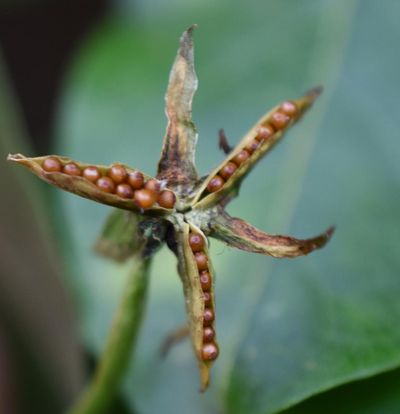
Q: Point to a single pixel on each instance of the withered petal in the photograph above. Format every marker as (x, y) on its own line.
(242, 235)
(205, 199)
(119, 238)
(177, 163)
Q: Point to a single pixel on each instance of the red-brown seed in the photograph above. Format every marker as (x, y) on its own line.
(208, 334)
(91, 173)
(209, 352)
(241, 157)
(106, 184)
(227, 170)
(207, 299)
(153, 185)
(196, 242)
(252, 146)
(279, 120)
(72, 169)
(208, 317)
(118, 173)
(201, 260)
(205, 281)
(264, 132)
(52, 164)
(124, 191)
(145, 198)
(167, 199)
(289, 108)
(215, 184)
(136, 179)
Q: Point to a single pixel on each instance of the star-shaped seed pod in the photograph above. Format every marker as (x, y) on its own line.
(177, 206)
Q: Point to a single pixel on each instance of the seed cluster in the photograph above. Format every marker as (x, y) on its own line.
(278, 120)
(210, 349)
(117, 180)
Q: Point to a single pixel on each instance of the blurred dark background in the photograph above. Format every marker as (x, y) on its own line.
(41, 363)
(86, 79)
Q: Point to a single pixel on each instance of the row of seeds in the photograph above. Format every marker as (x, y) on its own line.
(210, 348)
(117, 180)
(278, 120)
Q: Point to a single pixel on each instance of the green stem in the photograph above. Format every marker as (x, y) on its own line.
(121, 343)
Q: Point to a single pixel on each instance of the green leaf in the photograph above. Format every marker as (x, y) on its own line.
(377, 395)
(290, 329)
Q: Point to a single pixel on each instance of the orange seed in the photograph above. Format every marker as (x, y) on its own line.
(209, 352)
(215, 184)
(51, 164)
(167, 199)
(145, 198)
(106, 184)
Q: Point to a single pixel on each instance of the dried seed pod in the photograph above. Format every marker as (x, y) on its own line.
(279, 120)
(136, 179)
(72, 169)
(52, 164)
(252, 146)
(153, 185)
(196, 242)
(215, 184)
(167, 199)
(145, 198)
(210, 351)
(106, 184)
(91, 173)
(264, 132)
(208, 334)
(124, 191)
(201, 260)
(227, 170)
(241, 157)
(207, 299)
(208, 317)
(289, 108)
(118, 173)
(205, 280)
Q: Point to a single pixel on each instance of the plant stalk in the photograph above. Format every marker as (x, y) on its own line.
(121, 342)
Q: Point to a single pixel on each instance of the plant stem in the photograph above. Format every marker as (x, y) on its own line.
(120, 345)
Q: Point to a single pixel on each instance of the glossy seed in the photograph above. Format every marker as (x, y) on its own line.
(167, 199)
(207, 299)
(201, 260)
(252, 146)
(196, 242)
(205, 281)
(241, 157)
(208, 317)
(264, 132)
(91, 173)
(153, 185)
(215, 184)
(72, 169)
(124, 191)
(227, 170)
(106, 184)
(209, 352)
(136, 179)
(52, 164)
(118, 173)
(279, 120)
(289, 108)
(145, 198)
(208, 334)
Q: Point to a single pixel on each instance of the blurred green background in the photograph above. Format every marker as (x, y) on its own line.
(311, 335)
